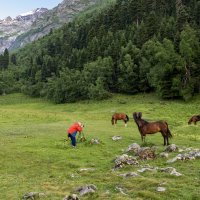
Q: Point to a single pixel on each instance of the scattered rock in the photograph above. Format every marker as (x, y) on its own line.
(125, 160)
(114, 138)
(170, 170)
(32, 195)
(164, 154)
(129, 174)
(192, 155)
(146, 153)
(189, 149)
(180, 150)
(171, 148)
(153, 169)
(83, 190)
(133, 148)
(172, 160)
(120, 190)
(95, 141)
(186, 156)
(175, 173)
(71, 197)
(86, 169)
(160, 189)
(167, 169)
(162, 183)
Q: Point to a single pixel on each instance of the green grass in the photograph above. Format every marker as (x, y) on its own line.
(34, 156)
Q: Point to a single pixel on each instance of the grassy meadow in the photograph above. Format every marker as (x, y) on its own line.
(35, 158)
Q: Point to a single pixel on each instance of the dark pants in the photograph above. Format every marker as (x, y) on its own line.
(73, 138)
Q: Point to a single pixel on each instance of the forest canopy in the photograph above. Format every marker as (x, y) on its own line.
(128, 46)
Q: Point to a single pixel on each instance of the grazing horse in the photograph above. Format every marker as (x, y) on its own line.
(145, 127)
(194, 119)
(119, 116)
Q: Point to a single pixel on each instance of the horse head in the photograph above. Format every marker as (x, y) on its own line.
(135, 116)
(139, 115)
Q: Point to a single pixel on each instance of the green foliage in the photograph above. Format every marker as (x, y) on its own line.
(128, 78)
(67, 87)
(189, 50)
(165, 74)
(4, 60)
(97, 90)
(116, 46)
(8, 82)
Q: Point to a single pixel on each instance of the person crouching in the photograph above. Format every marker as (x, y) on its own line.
(72, 131)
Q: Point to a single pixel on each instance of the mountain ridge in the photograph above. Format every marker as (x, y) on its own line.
(30, 26)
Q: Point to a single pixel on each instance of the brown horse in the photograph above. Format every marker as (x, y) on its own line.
(194, 119)
(152, 127)
(119, 116)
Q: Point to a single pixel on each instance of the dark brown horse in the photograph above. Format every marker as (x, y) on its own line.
(194, 119)
(119, 116)
(152, 127)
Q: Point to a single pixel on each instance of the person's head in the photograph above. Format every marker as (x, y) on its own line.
(80, 124)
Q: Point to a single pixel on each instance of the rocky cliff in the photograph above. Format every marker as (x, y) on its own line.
(27, 27)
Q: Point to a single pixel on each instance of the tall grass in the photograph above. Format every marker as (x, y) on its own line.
(35, 157)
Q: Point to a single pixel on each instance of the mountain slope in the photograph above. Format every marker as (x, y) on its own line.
(12, 28)
(30, 26)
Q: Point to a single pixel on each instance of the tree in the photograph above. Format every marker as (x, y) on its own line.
(128, 77)
(4, 59)
(189, 50)
(165, 68)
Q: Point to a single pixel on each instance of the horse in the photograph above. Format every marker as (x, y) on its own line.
(146, 127)
(194, 119)
(119, 116)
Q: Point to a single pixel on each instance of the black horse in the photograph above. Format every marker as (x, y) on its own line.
(145, 127)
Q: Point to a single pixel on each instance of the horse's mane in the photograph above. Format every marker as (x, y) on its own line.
(144, 121)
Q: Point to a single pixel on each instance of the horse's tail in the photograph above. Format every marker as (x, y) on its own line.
(127, 118)
(168, 131)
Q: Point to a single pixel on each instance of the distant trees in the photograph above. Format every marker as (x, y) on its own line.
(129, 47)
(4, 59)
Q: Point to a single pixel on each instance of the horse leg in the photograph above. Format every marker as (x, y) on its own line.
(164, 137)
(167, 140)
(142, 137)
(125, 123)
(164, 140)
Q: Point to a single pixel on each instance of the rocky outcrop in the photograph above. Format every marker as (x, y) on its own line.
(13, 28)
(30, 26)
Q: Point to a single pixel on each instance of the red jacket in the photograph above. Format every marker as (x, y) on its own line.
(74, 128)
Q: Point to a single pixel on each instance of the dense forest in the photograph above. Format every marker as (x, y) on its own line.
(128, 46)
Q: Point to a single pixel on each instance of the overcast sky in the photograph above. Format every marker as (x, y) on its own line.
(16, 7)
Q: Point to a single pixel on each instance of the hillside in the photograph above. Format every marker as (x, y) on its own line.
(12, 28)
(26, 28)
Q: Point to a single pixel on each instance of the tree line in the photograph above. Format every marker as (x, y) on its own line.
(128, 46)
